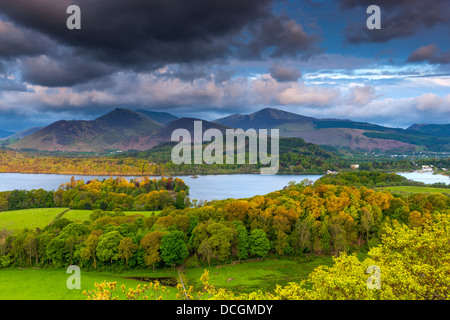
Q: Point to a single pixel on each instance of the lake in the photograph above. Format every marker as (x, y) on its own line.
(207, 187)
(426, 177)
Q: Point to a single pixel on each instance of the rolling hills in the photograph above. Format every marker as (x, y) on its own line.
(123, 129)
(339, 133)
(436, 129)
(160, 117)
(22, 134)
(148, 140)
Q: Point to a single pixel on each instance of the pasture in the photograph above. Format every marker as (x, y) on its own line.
(17, 220)
(415, 189)
(51, 284)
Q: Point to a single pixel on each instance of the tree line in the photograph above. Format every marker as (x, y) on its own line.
(303, 218)
(135, 194)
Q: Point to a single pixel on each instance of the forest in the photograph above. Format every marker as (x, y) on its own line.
(303, 218)
(372, 179)
(119, 193)
(306, 159)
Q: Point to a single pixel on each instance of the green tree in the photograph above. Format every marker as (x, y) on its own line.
(220, 240)
(259, 244)
(206, 251)
(243, 241)
(30, 247)
(301, 236)
(107, 248)
(180, 200)
(173, 248)
(90, 247)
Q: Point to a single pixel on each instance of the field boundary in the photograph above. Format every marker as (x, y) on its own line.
(58, 216)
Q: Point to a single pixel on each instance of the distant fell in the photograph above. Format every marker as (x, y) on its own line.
(97, 135)
(149, 140)
(160, 117)
(438, 129)
(339, 133)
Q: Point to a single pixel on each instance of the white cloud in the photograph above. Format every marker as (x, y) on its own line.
(351, 100)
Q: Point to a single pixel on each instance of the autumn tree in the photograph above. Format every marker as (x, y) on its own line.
(151, 243)
(126, 249)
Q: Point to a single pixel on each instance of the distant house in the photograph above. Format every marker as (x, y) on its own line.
(426, 169)
(354, 166)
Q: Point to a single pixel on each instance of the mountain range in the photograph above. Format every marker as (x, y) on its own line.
(345, 134)
(124, 129)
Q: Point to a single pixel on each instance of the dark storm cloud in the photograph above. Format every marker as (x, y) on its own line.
(284, 74)
(64, 71)
(147, 35)
(161, 30)
(16, 42)
(430, 53)
(399, 19)
(279, 36)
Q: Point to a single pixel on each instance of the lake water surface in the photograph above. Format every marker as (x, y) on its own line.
(207, 187)
(426, 177)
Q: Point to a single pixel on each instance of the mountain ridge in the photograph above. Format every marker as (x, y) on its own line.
(149, 140)
(96, 135)
(126, 129)
(338, 133)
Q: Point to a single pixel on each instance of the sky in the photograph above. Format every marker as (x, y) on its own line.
(211, 58)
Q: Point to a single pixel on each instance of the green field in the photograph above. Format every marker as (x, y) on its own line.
(77, 215)
(31, 283)
(414, 189)
(257, 275)
(261, 275)
(51, 284)
(83, 215)
(18, 220)
(264, 275)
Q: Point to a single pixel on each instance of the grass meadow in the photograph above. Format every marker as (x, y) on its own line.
(244, 277)
(17, 220)
(413, 189)
(51, 284)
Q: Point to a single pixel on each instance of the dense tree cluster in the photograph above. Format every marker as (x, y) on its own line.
(301, 218)
(413, 264)
(296, 156)
(135, 194)
(367, 178)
